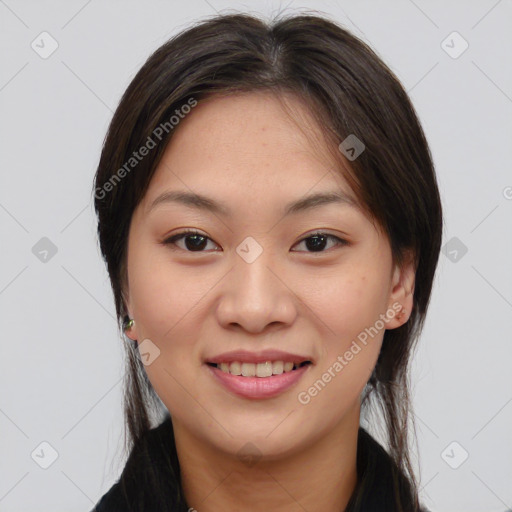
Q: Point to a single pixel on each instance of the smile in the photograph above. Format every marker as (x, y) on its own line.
(254, 380)
(265, 369)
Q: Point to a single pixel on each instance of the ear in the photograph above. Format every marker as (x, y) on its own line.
(131, 332)
(402, 292)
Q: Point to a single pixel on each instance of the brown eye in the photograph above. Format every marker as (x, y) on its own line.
(317, 241)
(194, 241)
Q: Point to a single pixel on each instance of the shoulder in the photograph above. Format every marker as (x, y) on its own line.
(379, 479)
(111, 501)
(150, 478)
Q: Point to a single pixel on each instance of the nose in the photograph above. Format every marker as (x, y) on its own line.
(256, 296)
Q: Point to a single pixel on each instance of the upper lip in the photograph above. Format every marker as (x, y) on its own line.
(245, 356)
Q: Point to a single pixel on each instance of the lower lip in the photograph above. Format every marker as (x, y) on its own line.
(258, 387)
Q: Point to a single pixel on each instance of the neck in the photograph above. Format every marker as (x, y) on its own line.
(322, 476)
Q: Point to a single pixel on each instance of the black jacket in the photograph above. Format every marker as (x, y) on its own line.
(149, 481)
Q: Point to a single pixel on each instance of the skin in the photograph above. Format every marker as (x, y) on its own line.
(245, 151)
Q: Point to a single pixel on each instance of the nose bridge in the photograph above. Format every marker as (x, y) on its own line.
(255, 295)
(252, 266)
(253, 277)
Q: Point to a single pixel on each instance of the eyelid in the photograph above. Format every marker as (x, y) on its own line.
(341, 242)
(171, 240)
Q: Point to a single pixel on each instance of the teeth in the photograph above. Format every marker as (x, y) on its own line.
(288, 366)
(277, 367)
(248, 370)
(265, 369)
(235, 368)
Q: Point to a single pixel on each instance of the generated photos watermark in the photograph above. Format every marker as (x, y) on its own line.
(151, 143)
(304, 397)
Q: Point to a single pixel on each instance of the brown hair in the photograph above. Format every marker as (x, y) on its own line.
(349, 90)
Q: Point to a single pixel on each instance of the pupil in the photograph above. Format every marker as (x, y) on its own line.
(316, 244)
(197, 242)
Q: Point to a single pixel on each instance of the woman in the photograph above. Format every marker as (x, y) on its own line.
(269, 214)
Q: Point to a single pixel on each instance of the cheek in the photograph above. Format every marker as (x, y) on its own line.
(166, 301)
(349, 305)
(349, 300)
(349, 309)
(164, 295)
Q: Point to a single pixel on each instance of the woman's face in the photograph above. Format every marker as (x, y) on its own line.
(256, 279)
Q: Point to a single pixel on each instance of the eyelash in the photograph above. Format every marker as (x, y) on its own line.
(173, 239)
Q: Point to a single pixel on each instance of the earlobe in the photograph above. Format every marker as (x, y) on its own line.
(129, 328)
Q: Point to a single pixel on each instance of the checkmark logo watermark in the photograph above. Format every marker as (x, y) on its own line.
(454, 45)
(148, 352)
(249, 250)
(249, 454)
(44, 45)
(44, 455)
(351, 147)
(454, 455)
(44, 250)
(454, 249)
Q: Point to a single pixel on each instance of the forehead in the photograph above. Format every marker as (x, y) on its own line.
(248, 144)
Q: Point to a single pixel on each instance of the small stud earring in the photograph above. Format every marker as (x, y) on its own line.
(128, 324)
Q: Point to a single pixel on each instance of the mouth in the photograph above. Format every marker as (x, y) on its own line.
(264, 369)
(258, 381)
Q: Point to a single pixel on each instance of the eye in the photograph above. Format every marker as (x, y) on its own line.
(316, 242)
(196, 241)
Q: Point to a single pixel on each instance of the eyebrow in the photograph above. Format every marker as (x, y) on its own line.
(202, 202)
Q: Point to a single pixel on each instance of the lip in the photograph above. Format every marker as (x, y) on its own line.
(243, 356)
(258, 387)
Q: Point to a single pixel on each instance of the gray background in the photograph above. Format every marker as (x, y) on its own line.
(61, 362)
